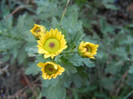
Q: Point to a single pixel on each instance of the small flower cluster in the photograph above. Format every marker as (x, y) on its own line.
(51, 43)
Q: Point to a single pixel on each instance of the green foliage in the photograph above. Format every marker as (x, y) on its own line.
(83, 78)
(109, 4)
(54, 92)
(13, 38)
(75, 59)
(32, 69)
(131, 70)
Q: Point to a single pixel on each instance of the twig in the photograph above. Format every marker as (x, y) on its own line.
(13, 12)
(21, 90)
(17, 9)
(29, 84)
(115, 86)
(122, 82)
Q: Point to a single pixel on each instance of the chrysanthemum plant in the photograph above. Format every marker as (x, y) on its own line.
(63, 58)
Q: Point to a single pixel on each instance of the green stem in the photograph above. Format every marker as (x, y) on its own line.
(64, 11)
(126, 97)
(65, 52)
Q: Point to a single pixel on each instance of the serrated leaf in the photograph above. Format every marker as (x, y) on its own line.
(130, 81)
(57, 58)
(52, 82)
(88, 63)
(75, 59)
(101, 95)
(67, 80)
(55, 92)
(113, 67)
(128, 41)
(107, 83)
(130, 70)
(100, 55)
(32, 69)
(55, 23)
(40, 58)
(69, 67)
(111, 6)
(22, 58)
(78, 80)
(31, 50)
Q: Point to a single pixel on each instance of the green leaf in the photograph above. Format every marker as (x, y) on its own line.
(128, 40)
(69, 67)
(130, 70)
(130, 81)
(100, 55)
(31, 50)
(78, 80)
(75, 59)
(55, 92)
(57, 58)
(45, 11)
(105, 27)
(107, 83)
(67, 80)
(111, 6)
(54, 23)
(88, 63)
(52, 82)
(32, 69)
(101, 95)
(113, 67)
(40, 58)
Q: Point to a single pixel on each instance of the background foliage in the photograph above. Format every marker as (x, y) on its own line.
(104, 22)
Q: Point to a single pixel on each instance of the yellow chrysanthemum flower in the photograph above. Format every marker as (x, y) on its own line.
(87, 49)
(50, 69)
(51, 44)
(37, 29)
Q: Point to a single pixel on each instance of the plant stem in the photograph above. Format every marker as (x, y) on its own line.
(65, 52)
(126, 97)
(64, 11)
(19, 8)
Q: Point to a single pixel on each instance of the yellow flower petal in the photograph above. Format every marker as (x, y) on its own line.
(40, 64)
(50, 69)
(52, 43)
(37, 30)
(87, 49)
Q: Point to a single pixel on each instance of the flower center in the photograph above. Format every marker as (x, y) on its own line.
(37, 30)
(52, 45)
(49, 69)
(88, 49)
